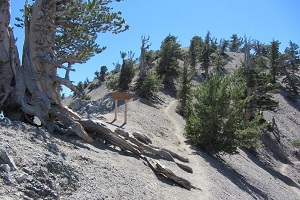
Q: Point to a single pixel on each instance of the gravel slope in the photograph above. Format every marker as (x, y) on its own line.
(65, 167)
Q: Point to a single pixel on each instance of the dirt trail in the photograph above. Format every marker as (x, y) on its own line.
(199, 176)
(169, 111)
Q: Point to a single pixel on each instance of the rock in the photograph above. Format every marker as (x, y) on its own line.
(7, 159)
(28, 171)
(22, 178)
(9, 179)
(5, 168)
(91, 108)
(297, 154)
(78, 104)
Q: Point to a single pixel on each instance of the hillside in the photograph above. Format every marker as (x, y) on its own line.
(66, 167)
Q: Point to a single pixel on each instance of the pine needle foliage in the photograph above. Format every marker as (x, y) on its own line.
(149, 86)
(185, 86)
(168, 66)
(127, 71)
(215, 115)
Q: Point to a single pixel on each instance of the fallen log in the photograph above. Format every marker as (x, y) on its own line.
(142, 137)
(167, 154)
(127, 141)
(177, 156)
(159, 169)
(101, 130)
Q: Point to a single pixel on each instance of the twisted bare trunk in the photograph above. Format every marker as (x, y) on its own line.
(34, 86)
(9, 58)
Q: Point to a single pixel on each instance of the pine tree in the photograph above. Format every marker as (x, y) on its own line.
(293, 53)
(127, 71)
(290, 63)
(56, 34)
(223, 46)
(206, 53)
(235, 43)
(185, 87)
(274, 56)
(223, 113)
(219, 62)
(148, 83)
(215, 114)
(86, 82)
(97, 74)
(80, 87)
(195, 50)
(103, 71)
(259, 85)
(260, 49)
(168, 66)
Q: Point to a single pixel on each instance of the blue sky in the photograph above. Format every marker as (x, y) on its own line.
(263, 20)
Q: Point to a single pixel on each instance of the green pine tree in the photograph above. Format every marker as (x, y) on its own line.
(127, 71)
(215, 115)
(185, 87)
(274, 59)
(290, 62)
(235, 43)
(102, 74)
(206, 53)
(195, 50)
(168, 66)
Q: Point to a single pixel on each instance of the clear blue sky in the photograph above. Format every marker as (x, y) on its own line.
(263, 20)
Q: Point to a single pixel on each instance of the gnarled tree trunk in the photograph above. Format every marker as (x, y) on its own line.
(9, 58)
(35, 86)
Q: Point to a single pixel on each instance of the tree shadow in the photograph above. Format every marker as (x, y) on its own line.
(232, 175)
(273, 144)
(293, 101)
(78, 143)
(169, 92)
(154, 102)
(198, 78)
(251, 155)
(118, 126)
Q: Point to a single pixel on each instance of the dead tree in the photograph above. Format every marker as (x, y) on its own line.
(9, 57)
(143, 63)
(34, 86)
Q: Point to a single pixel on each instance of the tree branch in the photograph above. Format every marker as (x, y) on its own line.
(66, 83)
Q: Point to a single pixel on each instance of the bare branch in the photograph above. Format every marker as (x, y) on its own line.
(66, 83)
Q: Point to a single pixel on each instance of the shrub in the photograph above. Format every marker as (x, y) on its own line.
(92, 86)
(148, 87)
(113, 83)
(296, 143)
(85, 97)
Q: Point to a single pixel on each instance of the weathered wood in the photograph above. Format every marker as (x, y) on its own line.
(36, 86)
(95, 126)
(64, 116)
(177, 156)
(142, 137)
(143, 63)
(71, 113)
(167, 154)
(9, 58)
(121, 96)
(159, 169)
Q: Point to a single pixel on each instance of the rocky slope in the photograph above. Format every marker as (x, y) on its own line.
(66, 167)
